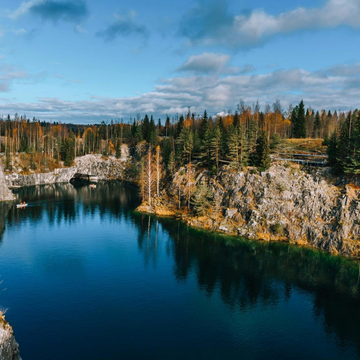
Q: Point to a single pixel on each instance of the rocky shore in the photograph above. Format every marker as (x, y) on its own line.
(284, 203)
(9, 348)
(103, 168)
(5, 192)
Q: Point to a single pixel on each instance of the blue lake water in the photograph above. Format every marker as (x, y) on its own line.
(85, 277)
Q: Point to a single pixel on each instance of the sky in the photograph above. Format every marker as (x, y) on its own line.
(86, 61)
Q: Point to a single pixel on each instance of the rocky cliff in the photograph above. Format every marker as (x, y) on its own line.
(104, 169)
(5, 193)
(281, 204)
(9, 348)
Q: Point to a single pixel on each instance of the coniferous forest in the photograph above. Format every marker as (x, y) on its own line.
(239, 139)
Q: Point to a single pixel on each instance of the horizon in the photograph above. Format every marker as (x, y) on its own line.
(115, 61)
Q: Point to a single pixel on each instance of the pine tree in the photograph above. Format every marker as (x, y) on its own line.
(236, 121)
(145, 128)
(185, 143)
(138, 134)
(204, 126)
(262, 155)
(201, 199)
(317, 125)
(332, 152)
(215, 146)
(299, 121)
(179, 126)
(224, 136)
(171, 163)
(302, 120)
(8, 156)
(118, 150)
(234, 147)
(167, 126)
(152, 133)
(205, 149)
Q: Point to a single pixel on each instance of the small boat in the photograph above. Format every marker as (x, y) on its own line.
(93, 186)
(22, 205)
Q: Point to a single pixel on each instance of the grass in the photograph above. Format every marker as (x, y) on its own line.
(308, 145)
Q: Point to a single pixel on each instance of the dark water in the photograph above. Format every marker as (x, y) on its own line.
(84, 277)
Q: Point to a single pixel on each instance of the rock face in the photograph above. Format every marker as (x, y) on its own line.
(104, 169)
(5, 193)
(9, 348)
(282, 204)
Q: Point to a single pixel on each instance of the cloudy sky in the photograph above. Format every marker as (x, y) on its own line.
(89, 60)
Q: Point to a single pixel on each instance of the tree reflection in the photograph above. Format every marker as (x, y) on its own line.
(248, 273)
(244, 273)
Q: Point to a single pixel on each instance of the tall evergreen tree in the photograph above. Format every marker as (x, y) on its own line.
(145, 128)
(204, 126)
(317, 125)
(262, 154)
(215, 146)
(201, 199)
(118, 150)
(298, 120)
(205, 149)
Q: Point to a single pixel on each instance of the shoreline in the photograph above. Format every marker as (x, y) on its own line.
(287, 205)
(283, 204)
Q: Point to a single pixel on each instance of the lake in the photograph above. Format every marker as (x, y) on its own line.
(85, 277)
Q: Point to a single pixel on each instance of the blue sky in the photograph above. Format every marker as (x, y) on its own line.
(88, 60)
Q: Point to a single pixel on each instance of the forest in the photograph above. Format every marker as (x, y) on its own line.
(239, 139)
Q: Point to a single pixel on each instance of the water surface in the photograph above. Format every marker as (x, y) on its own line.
(84, 277)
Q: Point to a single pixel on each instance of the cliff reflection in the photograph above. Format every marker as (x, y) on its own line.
(250, 273)
(64, 202)
(244, 273)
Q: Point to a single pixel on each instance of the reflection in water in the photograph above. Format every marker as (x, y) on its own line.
(62, 202)
(246, 274)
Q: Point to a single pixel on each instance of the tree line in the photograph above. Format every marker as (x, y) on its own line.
(236, 139)
(344, 146)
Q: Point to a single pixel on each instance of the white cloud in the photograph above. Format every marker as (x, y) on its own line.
(24, 7)
(202, 24)
(327, 88)
(206, 63)
(212, 63)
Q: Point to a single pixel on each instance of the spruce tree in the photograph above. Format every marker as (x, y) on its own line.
(179, 126)
(138, 134)
(298, 120)
(234, 147)
(215, 147)
(145, 128)
(8, 156)
(317, 125)
(205, 149)
(236, 121)
(332, 152)
(204, 126)
(118, 150)
(185, 144)
(262, 155)
(201, 199)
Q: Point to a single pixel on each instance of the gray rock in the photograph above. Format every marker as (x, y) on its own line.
(5, 192)
(9, 348)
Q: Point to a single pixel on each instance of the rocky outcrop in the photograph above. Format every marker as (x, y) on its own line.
(281, 204)
(5, 192)
(9, 348)
(103, 168)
